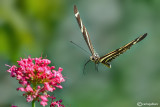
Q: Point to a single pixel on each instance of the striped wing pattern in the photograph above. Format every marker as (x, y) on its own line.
(112, 55)
(84, 30)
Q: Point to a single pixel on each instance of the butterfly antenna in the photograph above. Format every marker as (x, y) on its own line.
(85, 66)
(80, 47)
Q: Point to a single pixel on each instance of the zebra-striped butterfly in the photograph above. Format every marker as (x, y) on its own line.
(111, 55)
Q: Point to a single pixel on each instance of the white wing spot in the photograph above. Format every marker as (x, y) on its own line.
(134, 42)
(77, 14)
(138, 39)
(81, 27)
(87, 37)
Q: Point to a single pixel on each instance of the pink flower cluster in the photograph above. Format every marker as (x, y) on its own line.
(56, 103)
(14, 106)
(37, 78)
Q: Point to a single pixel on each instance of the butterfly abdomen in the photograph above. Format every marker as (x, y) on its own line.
(106, 64)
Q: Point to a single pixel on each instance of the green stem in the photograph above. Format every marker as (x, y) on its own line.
(33, 103)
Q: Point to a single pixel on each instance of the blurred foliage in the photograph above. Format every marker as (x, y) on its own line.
(45, 27)
(28, 25)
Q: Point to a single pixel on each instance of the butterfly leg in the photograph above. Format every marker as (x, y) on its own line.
(85, 66)
(96, 67)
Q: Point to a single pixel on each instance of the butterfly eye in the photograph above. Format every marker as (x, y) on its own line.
(91, 58)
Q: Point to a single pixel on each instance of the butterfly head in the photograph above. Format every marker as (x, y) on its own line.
(95, 58)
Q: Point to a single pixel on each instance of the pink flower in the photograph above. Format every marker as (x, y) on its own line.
(48, 87)
(21, 89)
(29, 88)
(44, 100)
(57, 104)
(14, 106)
(37, 78)
(43, 103)
(29, 98)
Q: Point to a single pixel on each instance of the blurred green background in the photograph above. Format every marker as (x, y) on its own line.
(46, 27)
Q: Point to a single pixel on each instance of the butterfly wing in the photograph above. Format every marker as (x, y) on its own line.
(112, 55)
(84, 30)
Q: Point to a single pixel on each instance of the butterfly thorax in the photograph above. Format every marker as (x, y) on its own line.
(95, 58)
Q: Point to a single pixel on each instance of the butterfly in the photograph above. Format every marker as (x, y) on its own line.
(106, 59)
